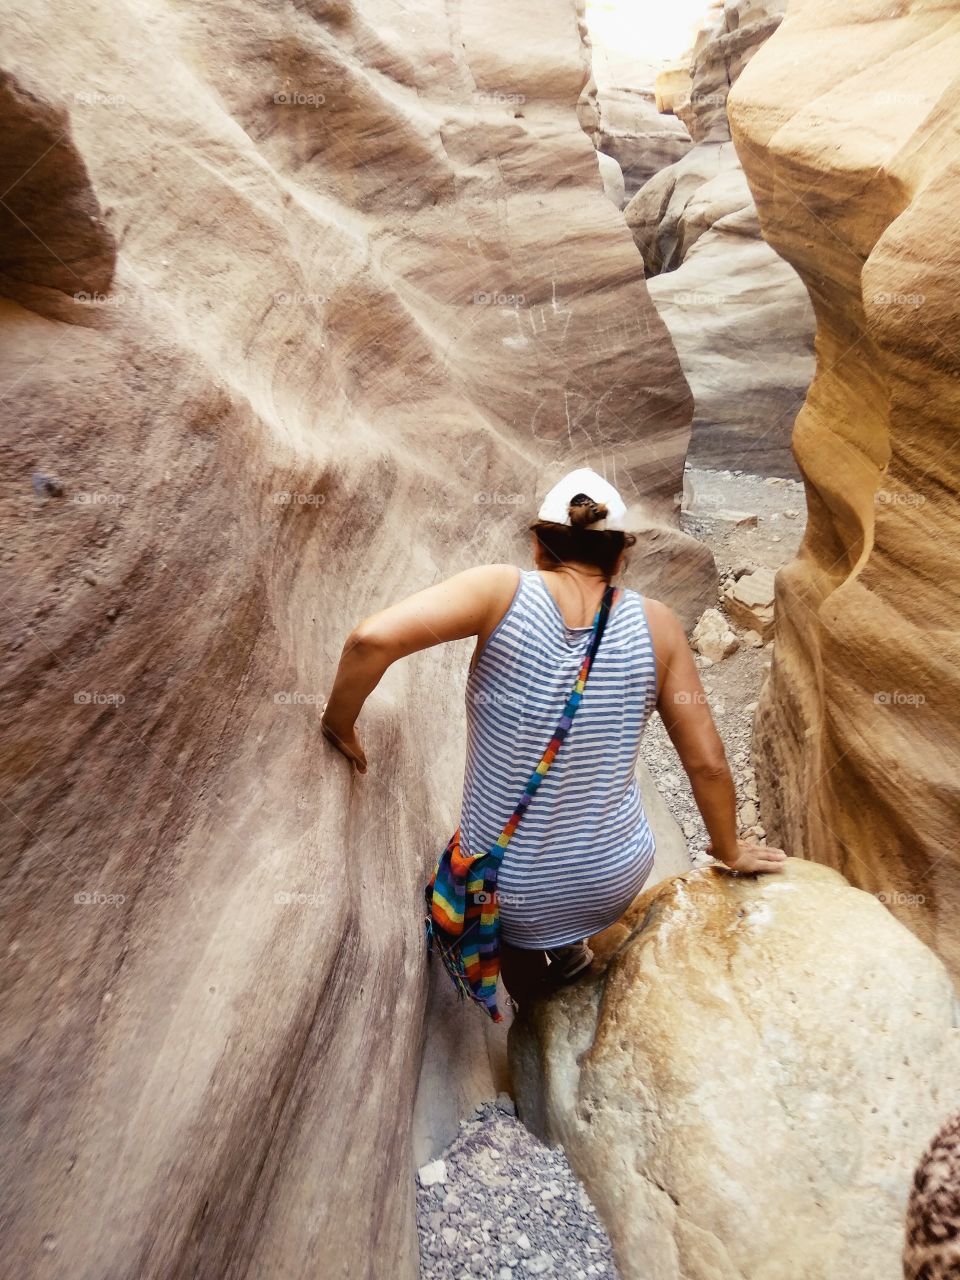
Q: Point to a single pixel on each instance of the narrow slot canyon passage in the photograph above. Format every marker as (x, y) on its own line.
(534, 422)
(494, 1200)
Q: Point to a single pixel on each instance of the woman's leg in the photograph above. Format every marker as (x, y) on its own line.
(524, 973)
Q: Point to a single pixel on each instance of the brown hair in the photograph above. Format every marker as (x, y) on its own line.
(576, 541)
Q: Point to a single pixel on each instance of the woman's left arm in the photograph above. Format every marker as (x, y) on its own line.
(451, 610)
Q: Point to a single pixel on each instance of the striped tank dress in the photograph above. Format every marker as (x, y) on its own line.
(584, 848)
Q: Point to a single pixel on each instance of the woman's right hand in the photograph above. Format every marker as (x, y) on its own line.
(751, 857)
(346, 742)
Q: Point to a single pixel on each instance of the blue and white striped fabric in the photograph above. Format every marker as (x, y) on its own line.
(585, 848)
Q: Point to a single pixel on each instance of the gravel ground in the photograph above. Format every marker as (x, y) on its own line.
(507, 1208)
(732, 685)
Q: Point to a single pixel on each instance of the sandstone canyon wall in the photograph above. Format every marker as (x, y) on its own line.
(302, 305)
(848, 125)
(739, 315)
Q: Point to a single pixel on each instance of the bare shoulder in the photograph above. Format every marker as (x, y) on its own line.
(496, 574)
(501, 581)
(495, 585)
(489, 587)
(665, 626)
(491, 580)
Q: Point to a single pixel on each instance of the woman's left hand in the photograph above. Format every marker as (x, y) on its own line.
(347, 743)
(752, 858)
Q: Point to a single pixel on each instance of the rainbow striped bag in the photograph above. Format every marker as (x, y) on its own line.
(463, 913)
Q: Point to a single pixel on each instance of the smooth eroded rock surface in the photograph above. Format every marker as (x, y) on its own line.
(847, 124)
(642, 139)
(629, 126)
(317, 299)
(732, 32)
(747, 1086)
(738, 313)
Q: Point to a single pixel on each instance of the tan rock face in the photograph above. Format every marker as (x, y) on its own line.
(657, 214)
(314, 302)
(739, 314)
(743, 326)
(672, 86)
(729, 38)
(858, 750)
(747, 1086)
(642, 139)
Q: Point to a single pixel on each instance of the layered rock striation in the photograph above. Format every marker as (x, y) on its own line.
(302, 308)
(851, 153)
(739, 315)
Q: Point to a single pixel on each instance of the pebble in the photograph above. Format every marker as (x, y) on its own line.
(47, 486)
(748, 814)
(89, 577)
(433, 1173)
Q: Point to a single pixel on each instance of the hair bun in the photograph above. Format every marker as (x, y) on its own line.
(583, 511)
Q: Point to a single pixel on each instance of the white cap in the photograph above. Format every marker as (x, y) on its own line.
(555, 506)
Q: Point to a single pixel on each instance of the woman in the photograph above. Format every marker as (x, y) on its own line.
(584, 849)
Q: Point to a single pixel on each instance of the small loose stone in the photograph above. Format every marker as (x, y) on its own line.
(433, 1173)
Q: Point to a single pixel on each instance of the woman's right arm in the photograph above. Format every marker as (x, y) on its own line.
(683, 708)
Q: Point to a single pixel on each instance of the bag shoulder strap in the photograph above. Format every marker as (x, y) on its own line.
(566, 719)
